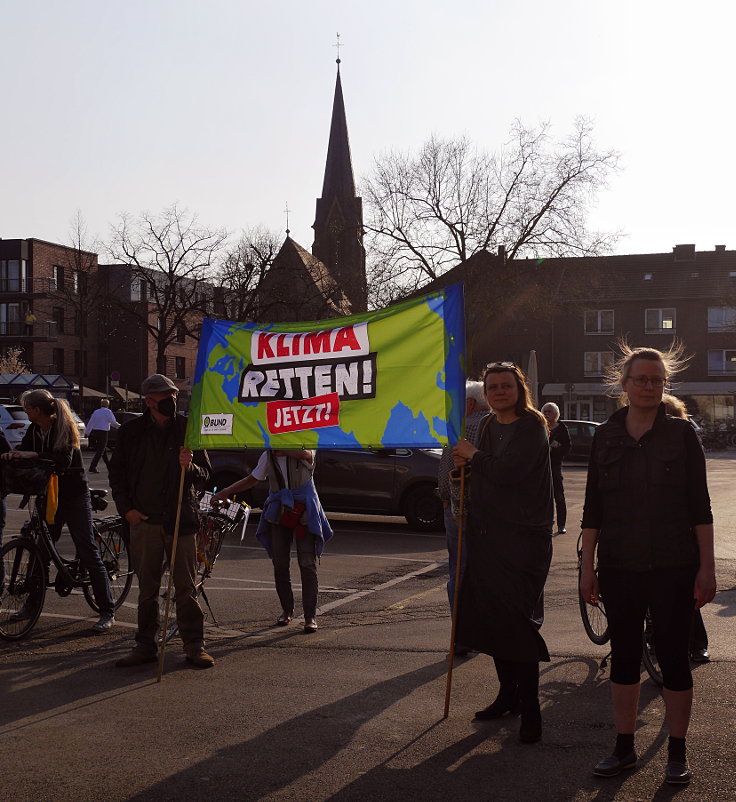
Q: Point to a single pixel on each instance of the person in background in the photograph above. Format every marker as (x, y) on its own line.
(145, 475)
(97, 429)
(53, 435)
(647, 510)
(291, 512)
(476, 409)
(698, 636)
(559, 448)
(501, 605)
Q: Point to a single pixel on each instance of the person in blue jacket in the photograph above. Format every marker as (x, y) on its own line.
(291, 512)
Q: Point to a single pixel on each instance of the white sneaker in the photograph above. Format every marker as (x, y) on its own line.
(104, 624)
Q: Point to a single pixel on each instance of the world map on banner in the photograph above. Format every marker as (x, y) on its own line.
(390, 378)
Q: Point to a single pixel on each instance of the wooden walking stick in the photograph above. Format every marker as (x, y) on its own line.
(456, 594)
(171, 577)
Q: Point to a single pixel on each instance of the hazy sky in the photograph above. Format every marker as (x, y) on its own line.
(223, 105)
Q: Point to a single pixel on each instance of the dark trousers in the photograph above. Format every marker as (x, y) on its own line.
(148, 544)
(698, 635)
(3, 513)
(668, 594)
(559, 494)
(306, 552)
(76, 513)
(98, 441)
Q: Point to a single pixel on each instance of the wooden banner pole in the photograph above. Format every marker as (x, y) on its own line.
(456, 594)
(172, 563)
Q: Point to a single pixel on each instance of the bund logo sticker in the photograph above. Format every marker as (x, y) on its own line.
(217, 424)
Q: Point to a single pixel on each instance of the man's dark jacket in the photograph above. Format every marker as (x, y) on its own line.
(125, 472)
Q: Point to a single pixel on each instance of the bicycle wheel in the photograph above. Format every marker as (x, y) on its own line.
(116, 559)
(595, 621)
(24, 588)
(173, 626)
(648, 653)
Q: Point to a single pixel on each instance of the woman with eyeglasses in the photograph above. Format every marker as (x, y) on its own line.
(509, 545)
(647, 510)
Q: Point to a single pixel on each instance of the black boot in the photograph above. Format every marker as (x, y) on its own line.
(531, 722)
(507, 701)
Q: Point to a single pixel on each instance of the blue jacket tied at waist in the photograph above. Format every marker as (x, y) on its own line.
(317, 523)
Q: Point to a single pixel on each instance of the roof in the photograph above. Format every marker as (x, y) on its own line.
(338, 178)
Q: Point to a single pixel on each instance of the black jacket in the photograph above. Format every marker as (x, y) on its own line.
(645, 497)
(67, 461)
(559, 444)
(125, 472)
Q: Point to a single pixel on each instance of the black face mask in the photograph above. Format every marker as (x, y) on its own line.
(167, 407)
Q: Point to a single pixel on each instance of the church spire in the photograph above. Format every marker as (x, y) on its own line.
(338, 224)
(339, 167)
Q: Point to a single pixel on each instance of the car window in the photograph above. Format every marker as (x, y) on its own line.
(573, 429)
(17, 413)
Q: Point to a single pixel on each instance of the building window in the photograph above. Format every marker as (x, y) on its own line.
(180, 367)
(659, 321)
(599, 321)
(722, 318)
(13, 275)
(57, 278)
(138, 289)
(181, 333)
(10, 320)
(722, 362)
(58, 357)
(57, 315)
(595, 362)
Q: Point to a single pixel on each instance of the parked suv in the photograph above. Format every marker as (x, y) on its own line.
(382, 481)
(581, 435)
(13, 422)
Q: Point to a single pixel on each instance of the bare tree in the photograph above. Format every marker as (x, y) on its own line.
(172, 256)
(11, 360)
(427, 212)
(81, 291)
(242, 272)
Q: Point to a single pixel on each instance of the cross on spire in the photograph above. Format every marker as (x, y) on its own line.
(338, 46)
(287, 218)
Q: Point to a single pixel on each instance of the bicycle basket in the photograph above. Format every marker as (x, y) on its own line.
(25, 476)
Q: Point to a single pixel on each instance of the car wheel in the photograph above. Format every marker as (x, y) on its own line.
(423, 509)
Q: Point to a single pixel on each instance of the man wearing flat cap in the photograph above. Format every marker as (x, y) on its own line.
(145, 471)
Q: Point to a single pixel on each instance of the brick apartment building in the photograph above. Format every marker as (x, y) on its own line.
(38, 284)
(591, 301)
(102, 345)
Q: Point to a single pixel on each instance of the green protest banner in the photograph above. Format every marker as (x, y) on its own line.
(382, 379)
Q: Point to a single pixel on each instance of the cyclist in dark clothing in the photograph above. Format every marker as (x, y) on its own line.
(648, 511)
(53, 435)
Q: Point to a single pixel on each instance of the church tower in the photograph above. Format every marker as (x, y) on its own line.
(338, 225)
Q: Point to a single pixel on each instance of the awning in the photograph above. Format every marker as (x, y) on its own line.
(703, 388)
(129, 395)
(580, 389)
(89, 392)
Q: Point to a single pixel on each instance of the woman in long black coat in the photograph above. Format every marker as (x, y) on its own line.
(509, 542)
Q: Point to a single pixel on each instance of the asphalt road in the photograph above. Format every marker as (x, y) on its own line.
(353, 712)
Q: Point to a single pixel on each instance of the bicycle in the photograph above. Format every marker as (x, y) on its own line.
(595, 623)
(215, 523)
(26, 559)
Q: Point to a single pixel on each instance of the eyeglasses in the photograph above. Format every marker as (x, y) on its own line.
(494, 365)
(643, 381)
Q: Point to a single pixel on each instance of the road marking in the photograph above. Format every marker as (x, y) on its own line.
(395, 581)
(400, 605)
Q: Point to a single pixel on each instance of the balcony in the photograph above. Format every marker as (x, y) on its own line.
(40, 286)
(45, 331)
